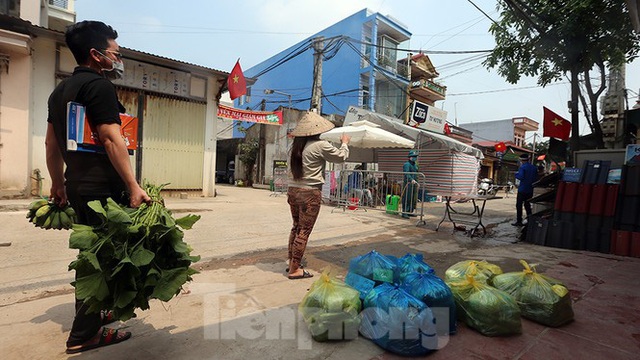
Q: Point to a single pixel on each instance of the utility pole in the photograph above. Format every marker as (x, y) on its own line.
(408, 94)
(534, 147)
(261, 146)
(575, 128)
(316, 91)
(455, 112)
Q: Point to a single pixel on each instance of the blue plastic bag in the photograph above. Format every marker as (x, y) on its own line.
(437, 295)
(374, 266)
(409, 264)
(398, 322)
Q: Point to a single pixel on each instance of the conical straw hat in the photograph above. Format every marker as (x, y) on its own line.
(312, 124)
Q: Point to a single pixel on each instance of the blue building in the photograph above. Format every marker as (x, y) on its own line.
(360, 67)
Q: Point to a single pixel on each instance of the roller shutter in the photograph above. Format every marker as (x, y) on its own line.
(173, 142)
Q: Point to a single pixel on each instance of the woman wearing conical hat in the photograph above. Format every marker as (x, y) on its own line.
(307, 162)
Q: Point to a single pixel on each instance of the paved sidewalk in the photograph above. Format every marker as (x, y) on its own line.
(242, 306)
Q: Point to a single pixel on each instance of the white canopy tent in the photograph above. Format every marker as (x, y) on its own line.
(449, 166)
(367, 135)
(424, 139)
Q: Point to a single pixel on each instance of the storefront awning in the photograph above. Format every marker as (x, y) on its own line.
(420, 136)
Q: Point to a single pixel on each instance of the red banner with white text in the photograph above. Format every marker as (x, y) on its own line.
(261, 117)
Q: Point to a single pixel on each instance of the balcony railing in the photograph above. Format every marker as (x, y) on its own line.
(63, 4)
(387, 63)
(428, 84)
(392, 65)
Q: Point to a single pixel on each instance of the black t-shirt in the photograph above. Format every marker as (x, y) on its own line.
(99, 97)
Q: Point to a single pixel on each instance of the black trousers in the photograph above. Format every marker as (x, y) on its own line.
(523, 199)
(86, 325)
(409, 197)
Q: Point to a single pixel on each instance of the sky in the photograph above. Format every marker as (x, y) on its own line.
(215, 34)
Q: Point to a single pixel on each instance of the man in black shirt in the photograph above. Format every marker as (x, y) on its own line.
(91, 175)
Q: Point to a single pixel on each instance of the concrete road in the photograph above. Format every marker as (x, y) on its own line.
(242, 305)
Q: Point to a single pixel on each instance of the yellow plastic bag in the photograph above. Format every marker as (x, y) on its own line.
(331, 309)
(542, 299)
(479, 269)
(491, 311)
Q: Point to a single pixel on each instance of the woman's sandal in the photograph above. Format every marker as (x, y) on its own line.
(287, 269)
(108, 337)
(305, 275)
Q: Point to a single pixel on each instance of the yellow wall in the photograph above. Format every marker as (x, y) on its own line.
(14, 121)
(43, 83)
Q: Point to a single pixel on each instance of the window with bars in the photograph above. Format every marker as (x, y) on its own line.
(63, 4)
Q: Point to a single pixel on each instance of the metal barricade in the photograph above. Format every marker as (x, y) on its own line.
(395, 192)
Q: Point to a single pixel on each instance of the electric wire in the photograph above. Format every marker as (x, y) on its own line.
(503, 90)
(443, 33)
(433, 52)
(458, 33)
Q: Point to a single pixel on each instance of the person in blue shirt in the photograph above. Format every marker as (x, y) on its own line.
(527, 174)
(410, 184)
(356, 187)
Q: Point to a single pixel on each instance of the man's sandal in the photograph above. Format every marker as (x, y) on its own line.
(107, 317)
(108, 337)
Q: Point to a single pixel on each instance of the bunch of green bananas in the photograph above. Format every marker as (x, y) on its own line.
(47, 215)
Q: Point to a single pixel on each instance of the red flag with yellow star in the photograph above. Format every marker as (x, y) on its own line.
(236, 83)
(555, 125)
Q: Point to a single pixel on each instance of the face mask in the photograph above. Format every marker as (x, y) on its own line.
(413, 158)
(117, 69)
(116, 72)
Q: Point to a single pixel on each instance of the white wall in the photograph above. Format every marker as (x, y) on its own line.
(501, 130)
(30, 10)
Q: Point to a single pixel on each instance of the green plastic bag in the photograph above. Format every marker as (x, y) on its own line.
(542, 299)
(491, 311)
(479, 269)
(331, 309)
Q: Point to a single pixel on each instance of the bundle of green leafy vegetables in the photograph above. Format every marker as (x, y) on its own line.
(133, 256)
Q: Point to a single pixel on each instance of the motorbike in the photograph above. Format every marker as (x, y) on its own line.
(487, 187)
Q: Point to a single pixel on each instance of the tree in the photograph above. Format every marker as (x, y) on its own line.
(248, 154)
(549, 38)
(541, 147)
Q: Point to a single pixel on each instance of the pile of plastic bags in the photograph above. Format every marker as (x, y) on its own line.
(402, 306)
(492, 302)
(405, 306)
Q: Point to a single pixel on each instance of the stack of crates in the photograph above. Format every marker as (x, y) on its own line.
(584, 211)
(625, 238)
